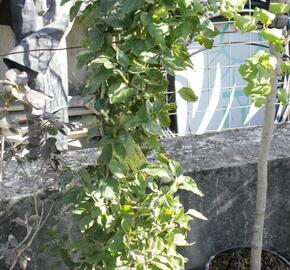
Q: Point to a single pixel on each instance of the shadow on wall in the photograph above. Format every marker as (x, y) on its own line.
(76, 78)
(229, 205)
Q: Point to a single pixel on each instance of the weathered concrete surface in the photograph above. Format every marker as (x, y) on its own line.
(223, 164)
(16, 200)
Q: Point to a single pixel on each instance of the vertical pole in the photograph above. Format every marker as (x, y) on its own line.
(2, 157)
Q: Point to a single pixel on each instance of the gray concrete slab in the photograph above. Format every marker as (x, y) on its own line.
(224, 166)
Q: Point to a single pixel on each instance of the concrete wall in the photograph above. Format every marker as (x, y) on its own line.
(224, 166)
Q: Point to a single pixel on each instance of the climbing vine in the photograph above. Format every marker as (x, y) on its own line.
(130, 215)
(129, 210)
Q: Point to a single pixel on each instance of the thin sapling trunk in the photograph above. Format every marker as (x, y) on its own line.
(266, 137)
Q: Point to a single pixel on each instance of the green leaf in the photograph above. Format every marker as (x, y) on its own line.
(75, 10)
(156, 170)
(130, 6)
(71, 195)
(95, 39)
(286, 67)
(264, 16)
(161, 11)
(118, 20)
(85, 177)
(126, 224)
(120, 92)
(149, 57)
(117, 168)
(63, 2)
(248, 71)
(110, 188)
(283, 96)
(152, 128)
(245, 23)
(122, 58)
(164, 118)
(127, 209)
(229, 9)
(101, 59)
(154, 77)
(198, 7)
(66, 178)
(139, 184)
(84, 58)
(106, 154)
(163, 158)
(194, 213)
(115, 243)
(86, 223)
(279, 8)
(184, 30)
(203, 40)
(159, 31)
(188, 3)
(145, 18)
(187, 94)
(187, 183)
(93, 131)
(180, 240)
(137, 68)
(207, 28)
(273, 35)
(119, 150)
(159, 265)
(175, 168)
(170, 106)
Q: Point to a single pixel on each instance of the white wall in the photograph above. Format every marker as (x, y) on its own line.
(216, 80)
(76, 77)
(7, 41)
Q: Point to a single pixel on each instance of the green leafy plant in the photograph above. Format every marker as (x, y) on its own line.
(129, 212)
(261, 72)
(130, 215)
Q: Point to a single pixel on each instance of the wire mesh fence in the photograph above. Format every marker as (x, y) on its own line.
(215, 78)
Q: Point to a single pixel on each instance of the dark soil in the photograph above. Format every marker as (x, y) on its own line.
(239, 259)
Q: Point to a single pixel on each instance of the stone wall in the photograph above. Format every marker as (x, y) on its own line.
(224, 166)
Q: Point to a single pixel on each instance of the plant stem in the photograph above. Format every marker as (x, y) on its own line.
(2, 157)
(262, 182)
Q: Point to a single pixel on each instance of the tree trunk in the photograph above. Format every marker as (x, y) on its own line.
(267, 131)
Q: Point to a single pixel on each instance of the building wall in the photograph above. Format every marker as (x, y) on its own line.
(76, 77)
(7, 42)
(215, 79)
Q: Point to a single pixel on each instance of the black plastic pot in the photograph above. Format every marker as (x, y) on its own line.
(240, 248)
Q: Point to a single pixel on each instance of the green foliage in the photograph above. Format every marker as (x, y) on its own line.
(279, 8)
(248, 23)
(129, 214)
(258, 71)
(187, 94)
(131, 221)
(262, 67)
